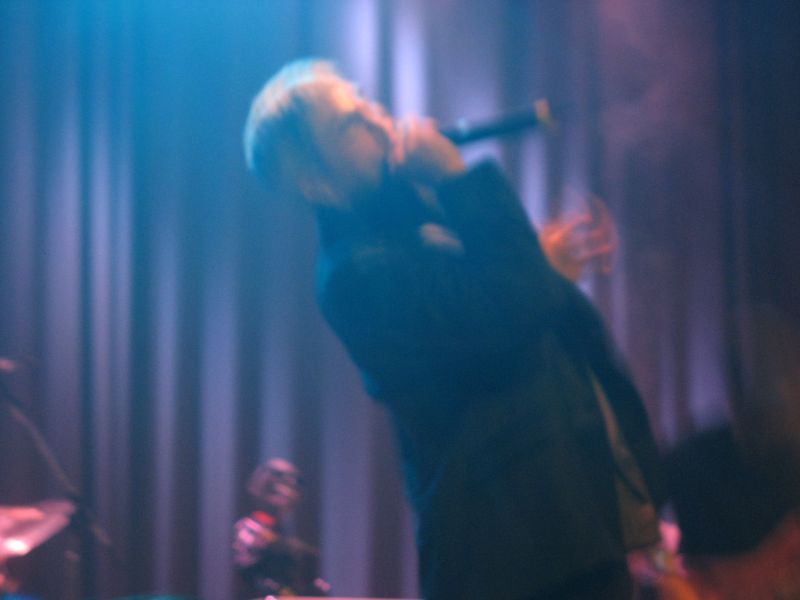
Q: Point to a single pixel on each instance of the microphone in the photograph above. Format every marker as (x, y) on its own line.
(464, 132)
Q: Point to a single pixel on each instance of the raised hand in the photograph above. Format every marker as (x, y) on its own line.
(577, 242)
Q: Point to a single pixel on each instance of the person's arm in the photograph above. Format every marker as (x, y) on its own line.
(456, 303)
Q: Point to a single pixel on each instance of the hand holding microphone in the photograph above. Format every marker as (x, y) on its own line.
(426, 156)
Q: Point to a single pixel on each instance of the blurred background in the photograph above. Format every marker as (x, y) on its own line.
(158, 307)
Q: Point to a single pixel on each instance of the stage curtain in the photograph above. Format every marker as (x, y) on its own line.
(160, 306)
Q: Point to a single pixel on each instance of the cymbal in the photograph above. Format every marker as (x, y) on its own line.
(23, 528)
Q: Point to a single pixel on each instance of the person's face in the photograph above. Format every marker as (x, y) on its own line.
(281, 487)
(355, 137)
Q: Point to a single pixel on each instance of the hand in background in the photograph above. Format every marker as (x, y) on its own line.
(577, 242)
(251, 538)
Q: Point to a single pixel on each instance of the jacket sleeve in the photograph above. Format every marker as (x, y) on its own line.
(449, 309)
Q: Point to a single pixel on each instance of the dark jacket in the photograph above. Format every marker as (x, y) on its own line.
(483, 355)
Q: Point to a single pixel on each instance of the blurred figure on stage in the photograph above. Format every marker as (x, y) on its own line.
(740, 524)
(735, 488)
(528, 455)
(269, 561)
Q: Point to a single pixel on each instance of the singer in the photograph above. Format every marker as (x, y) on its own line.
(528, 456)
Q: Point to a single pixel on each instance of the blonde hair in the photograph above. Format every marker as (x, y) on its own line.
(276, 133)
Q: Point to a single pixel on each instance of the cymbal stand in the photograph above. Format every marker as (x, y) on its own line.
(83, 519)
